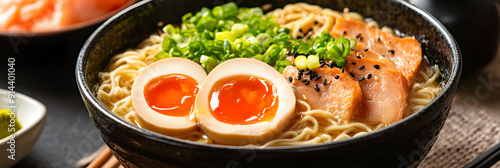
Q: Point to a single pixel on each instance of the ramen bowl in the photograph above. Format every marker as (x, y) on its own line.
(402, 144)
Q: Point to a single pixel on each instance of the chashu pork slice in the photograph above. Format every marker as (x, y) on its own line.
(405, 53)
(385, 90)
(341, 95)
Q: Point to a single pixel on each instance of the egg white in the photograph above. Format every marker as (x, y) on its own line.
(149, 118)
(252, 133)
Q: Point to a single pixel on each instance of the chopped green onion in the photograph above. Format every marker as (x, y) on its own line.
(301, 62)
(186, 17)
(175, 52)
(261, 38)
(170, 29)
(341, 62)
(168, 43)
(225, 35)
(326, 36)
(196, 49)
(207, 23)
(218, 12)
(304, 48)
(312, 61)
(227, 47)
(281, 65)
(209, 64)
(238, 29)
(203, 58)
(283, 30)
(212, 36)
(230, 9)
(355, 43)
(161, 55)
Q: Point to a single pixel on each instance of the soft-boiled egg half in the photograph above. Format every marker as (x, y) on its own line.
(164, 93)
(244, 101)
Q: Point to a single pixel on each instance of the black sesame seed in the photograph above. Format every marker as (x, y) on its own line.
(361, 38)
(310, 30)
(304, 80)
(361, 67)
(361, 78)
(345, 32)
(307, 83)
(317, 78)
(376, 66)
(300, 36)
(315, 73)
(359, 35)
(311, 77)
(316, 88)
(353, 63)
(391, 51)
(308, 72)
(301, 70)
(299, 76)
(322, 65)
(383, 55)
(358, 57)
(342, 69)
(290, 79)
(369, 76)
(333, 64)
(300, 30)
(378, 39)
(315, 22)
(351, 74)
(337, 77)
(324, 82)
(366, 50)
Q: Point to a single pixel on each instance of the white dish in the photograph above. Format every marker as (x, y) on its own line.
(31, 115)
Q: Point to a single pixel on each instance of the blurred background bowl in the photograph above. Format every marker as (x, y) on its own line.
(403, 144)
(31, 116)
(41, 53)
(65, 41)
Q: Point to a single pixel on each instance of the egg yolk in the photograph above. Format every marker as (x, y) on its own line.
(172, 94)
(243, 100)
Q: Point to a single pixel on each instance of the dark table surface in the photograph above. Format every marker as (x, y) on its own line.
(47, 75)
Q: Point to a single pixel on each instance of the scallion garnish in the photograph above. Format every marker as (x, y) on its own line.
(210, 37)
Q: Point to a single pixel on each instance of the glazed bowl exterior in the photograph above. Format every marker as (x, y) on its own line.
(403, 144)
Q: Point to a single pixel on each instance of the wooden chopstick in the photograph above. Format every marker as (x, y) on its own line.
(487, 159)
(111, 163)
(105, 160)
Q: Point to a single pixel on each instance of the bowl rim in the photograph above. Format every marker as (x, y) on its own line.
(447, 90)
(25, 128)
(70, 27)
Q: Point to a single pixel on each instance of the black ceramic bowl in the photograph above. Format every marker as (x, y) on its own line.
(402, 144)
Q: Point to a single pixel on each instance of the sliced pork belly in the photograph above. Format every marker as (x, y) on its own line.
(405, 53)
(341, 95)
(385, 90)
